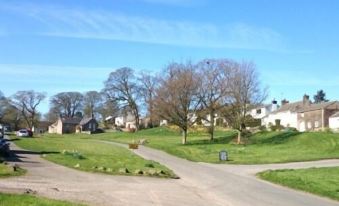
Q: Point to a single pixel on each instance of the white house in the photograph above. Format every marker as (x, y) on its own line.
(126, 119)
(163, 122)
(334, 122)
(287, 114)
(262, 111)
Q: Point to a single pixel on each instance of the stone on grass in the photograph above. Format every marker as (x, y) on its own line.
(149, 165)
(123, 170)
(161, 172)
(102, 168)
(152, 172)
(109, 170)
(15, 167)
(142, 141)
(138, 172)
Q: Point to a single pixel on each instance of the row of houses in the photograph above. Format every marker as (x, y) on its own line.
(73, 125)
(302, 115)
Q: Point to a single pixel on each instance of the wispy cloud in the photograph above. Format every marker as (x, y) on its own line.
(99, 24)
(51, 78)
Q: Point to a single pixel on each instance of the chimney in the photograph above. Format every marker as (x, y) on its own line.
(306, 100)
(284, 101)
(274, 105)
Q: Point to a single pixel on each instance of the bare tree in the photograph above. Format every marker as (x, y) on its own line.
(67, 103)
(92, 101)
(108, 108)
(3, 103)
(27, 102)
(148, 87)
(122, 87)
(214, 89)
(177, 97)
(245, 90)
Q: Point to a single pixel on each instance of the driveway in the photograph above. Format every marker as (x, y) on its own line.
(200, 183)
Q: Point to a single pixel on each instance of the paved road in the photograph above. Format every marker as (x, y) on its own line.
(237, 185)
(200, 184)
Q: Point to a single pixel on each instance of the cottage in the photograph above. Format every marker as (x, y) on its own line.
(64, 125)
(334, 122)
(261, 111)
(89, 125)
(287, 114)
(316, 116)
(41, 127)
(302, 115)
(125, 120)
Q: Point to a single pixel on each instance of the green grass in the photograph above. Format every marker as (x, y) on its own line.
(29, 200)
(261, 148)
(320, 181)
(8, 171)
(79, 152)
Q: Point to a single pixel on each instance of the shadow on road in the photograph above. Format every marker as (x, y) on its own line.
(18, 155)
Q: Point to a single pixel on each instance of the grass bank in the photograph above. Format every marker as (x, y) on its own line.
(25, 200)
(79, 152)
(320, 181)
(261, 148)
(9, 171)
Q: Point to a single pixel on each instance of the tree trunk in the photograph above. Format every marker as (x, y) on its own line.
(239, 137)
(211, 128)
(137, 118)
(184, 136)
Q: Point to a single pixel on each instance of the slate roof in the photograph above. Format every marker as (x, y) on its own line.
(85, 120)
(70, 120)
(335, 114)
(301, 107)
(293, 107)
(319, 106)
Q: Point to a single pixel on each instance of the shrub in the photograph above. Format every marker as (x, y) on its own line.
(328, 130)
(290, 129)
(277, 128)
(131, 130)
(262, 128)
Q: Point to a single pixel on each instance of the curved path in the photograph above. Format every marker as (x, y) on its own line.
(237, 185)
(200, 183)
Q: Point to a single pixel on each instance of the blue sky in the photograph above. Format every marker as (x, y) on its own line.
(63, 45)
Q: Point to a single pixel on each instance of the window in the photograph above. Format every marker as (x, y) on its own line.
(316, 124)
(309, 125)
(90, 125)
(258, 111)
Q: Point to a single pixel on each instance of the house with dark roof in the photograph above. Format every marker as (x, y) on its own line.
(316, 116)
(88, 125)
(65, 125)
(303, 115)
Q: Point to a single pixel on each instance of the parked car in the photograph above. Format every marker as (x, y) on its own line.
(23, 133)
(4, 148)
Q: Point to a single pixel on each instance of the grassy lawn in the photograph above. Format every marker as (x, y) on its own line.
(29, 200)
(79, 152)
(8, 171)
(321, 181)
(261, 148)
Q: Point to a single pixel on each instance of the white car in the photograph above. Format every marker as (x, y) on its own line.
(22, 133)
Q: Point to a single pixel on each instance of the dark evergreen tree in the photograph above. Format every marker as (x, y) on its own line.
(320, 97)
